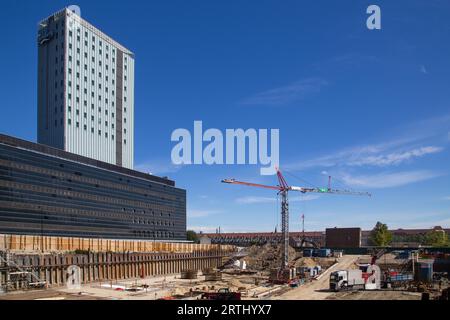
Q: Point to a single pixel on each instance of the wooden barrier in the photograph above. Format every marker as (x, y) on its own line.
(53, 268)
(28, 243)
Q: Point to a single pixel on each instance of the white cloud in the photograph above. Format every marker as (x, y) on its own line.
(287, 94)
(379, 155)
(157, 167)
(423, 69)
(447, 198)
(201, 213)
(345, 155)
(303, 198)
(223, 229)
(394, 158)
(254, 200)
(204, 229)
(413, 141)
(388, 180)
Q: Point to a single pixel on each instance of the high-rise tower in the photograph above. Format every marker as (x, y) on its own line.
(85, 90)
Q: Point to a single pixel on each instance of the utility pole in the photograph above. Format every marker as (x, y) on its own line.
(303, 226)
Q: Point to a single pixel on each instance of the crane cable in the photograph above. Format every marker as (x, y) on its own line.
(300, 179)
(315, 186)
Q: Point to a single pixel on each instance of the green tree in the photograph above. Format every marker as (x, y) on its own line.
(380, 235)
(436, 238)
(192, 236)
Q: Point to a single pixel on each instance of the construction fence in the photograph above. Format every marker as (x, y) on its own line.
(29, 243)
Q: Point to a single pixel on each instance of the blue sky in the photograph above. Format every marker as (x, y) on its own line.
(371, 108)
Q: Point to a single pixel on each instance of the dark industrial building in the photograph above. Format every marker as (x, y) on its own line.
(47, 191)
(343, 237)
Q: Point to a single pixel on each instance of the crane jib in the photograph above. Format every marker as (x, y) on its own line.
(283, 188)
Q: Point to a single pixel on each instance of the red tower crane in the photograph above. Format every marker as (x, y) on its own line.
(283, 188)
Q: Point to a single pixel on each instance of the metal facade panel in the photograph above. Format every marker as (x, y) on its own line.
(85, 90)
(46, 195)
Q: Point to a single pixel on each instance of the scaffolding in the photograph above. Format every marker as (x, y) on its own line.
(15, 277)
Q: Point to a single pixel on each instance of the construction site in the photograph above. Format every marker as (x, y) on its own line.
(193, 271)
(286, 266)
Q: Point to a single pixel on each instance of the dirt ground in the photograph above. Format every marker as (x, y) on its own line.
(375, 295)
(50, 294)
(252, 286)
(318, 289)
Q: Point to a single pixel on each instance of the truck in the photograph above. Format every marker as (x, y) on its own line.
(394, 279)
(367, 277)
(347, 279)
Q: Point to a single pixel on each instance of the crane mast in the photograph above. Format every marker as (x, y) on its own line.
(283, 189)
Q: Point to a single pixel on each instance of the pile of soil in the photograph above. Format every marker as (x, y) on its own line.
(266, 257)
(305, 262)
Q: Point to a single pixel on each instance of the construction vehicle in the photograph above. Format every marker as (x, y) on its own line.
(346, 279)
(364, 278)
(367, 277)
(283, 189)
(221, 294)
(377, 255)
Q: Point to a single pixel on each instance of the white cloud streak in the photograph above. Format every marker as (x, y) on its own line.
(204, 229)
(287, 94)
(423, 69)
(223, 229)
(379, 155)
(410, 145)
(389, 180)
(394, 158)
(201, 213)
(157, 167)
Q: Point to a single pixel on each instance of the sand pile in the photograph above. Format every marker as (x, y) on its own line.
(266, 257)
(305, 262)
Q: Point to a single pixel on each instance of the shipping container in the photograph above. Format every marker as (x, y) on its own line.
(323, 253)
(308, 252)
